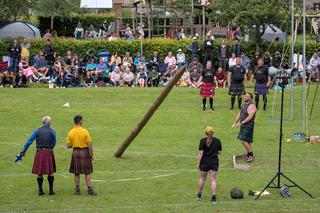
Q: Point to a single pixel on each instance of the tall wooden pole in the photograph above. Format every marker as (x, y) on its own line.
(144, 120)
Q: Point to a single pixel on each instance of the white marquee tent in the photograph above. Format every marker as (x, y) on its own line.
(19, 29)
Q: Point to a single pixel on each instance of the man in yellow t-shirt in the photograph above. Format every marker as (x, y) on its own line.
(81, 162)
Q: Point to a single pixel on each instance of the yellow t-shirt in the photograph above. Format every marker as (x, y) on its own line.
(78, 137)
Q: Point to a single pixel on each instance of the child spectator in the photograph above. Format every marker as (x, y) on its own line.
(61, 80)
(21, 80)
(220, 78)
(7, 78)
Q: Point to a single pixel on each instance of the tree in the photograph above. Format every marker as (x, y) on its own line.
(253, 16)
(12, 10)
(55, 8)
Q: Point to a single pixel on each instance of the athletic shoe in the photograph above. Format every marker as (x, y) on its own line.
(199, 196)
(52, 193)
(41, 193)
(77, 192)
(249, 159)
(214, 199)
(212, 109)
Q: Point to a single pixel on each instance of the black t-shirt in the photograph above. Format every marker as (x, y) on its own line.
(210, 153)
(208, 75)
(237, 73)
(261, 74)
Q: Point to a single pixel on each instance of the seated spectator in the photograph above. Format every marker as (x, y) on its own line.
(91, 67)
(142, 77)
(75, 64)
(92, 32)
(313, 67)
(185, 80)
(57, 68)
(21, 80)
(181, 58)
(102, 70)
(155, 59)
(139, 59)
(26, 70)
(40, 63)
(220, 78)
(60, 59)
(113, 37)
(68, 58)
(195, 64)
(76, 81)
(88, 80)
(7, 78)
(127, 60)
(115, 77)
(171, 72)
(170, 60)
(194, 78)
(115, 60)
(61, 81)
(128, 77)
(153, 77)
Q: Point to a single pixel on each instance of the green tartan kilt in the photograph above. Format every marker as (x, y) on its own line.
(246, 133)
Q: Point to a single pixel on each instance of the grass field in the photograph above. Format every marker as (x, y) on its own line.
(157, 173)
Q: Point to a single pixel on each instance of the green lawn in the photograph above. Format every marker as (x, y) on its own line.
(157, 173)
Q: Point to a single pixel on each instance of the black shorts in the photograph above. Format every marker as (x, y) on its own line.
(207, 165)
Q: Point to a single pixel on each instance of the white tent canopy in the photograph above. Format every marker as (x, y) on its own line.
(19, 29)
(272, 33)
(96, 4)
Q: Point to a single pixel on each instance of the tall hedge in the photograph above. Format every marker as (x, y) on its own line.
(64, 26)
(163, 46)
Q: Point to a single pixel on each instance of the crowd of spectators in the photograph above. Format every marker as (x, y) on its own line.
(68, 70)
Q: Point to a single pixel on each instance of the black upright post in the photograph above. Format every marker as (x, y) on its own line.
(279, 173)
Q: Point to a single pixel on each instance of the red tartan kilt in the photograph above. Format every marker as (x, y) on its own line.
(44, 162)
(207, 90)
(81, 162)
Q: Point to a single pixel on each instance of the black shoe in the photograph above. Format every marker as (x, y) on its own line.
(91, 192)
(203, 109)
(199, 196)
(214, 199)
(41, 193)
(77, 192)
(52, 193)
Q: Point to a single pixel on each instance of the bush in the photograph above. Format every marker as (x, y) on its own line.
(64, 26)
(163, 46)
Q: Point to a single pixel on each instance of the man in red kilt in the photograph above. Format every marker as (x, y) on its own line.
(207, 85)
(44, 162)
(81, 162)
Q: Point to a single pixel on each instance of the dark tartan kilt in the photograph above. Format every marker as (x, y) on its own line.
(246, 133)
(81, 162)
(261, 89)
(207, 90)
(44, 162)
(237, 89)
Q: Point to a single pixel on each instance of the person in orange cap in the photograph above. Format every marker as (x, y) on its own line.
(208, 162)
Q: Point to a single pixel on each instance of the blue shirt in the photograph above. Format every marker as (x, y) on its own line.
(35, 135)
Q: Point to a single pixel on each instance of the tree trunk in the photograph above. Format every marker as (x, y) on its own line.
(51, 22)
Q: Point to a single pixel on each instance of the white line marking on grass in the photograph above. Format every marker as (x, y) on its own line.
(129, 179)
(166, 175)
(162, 154)
(11, 143)
(98, 180)
(65, 176)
